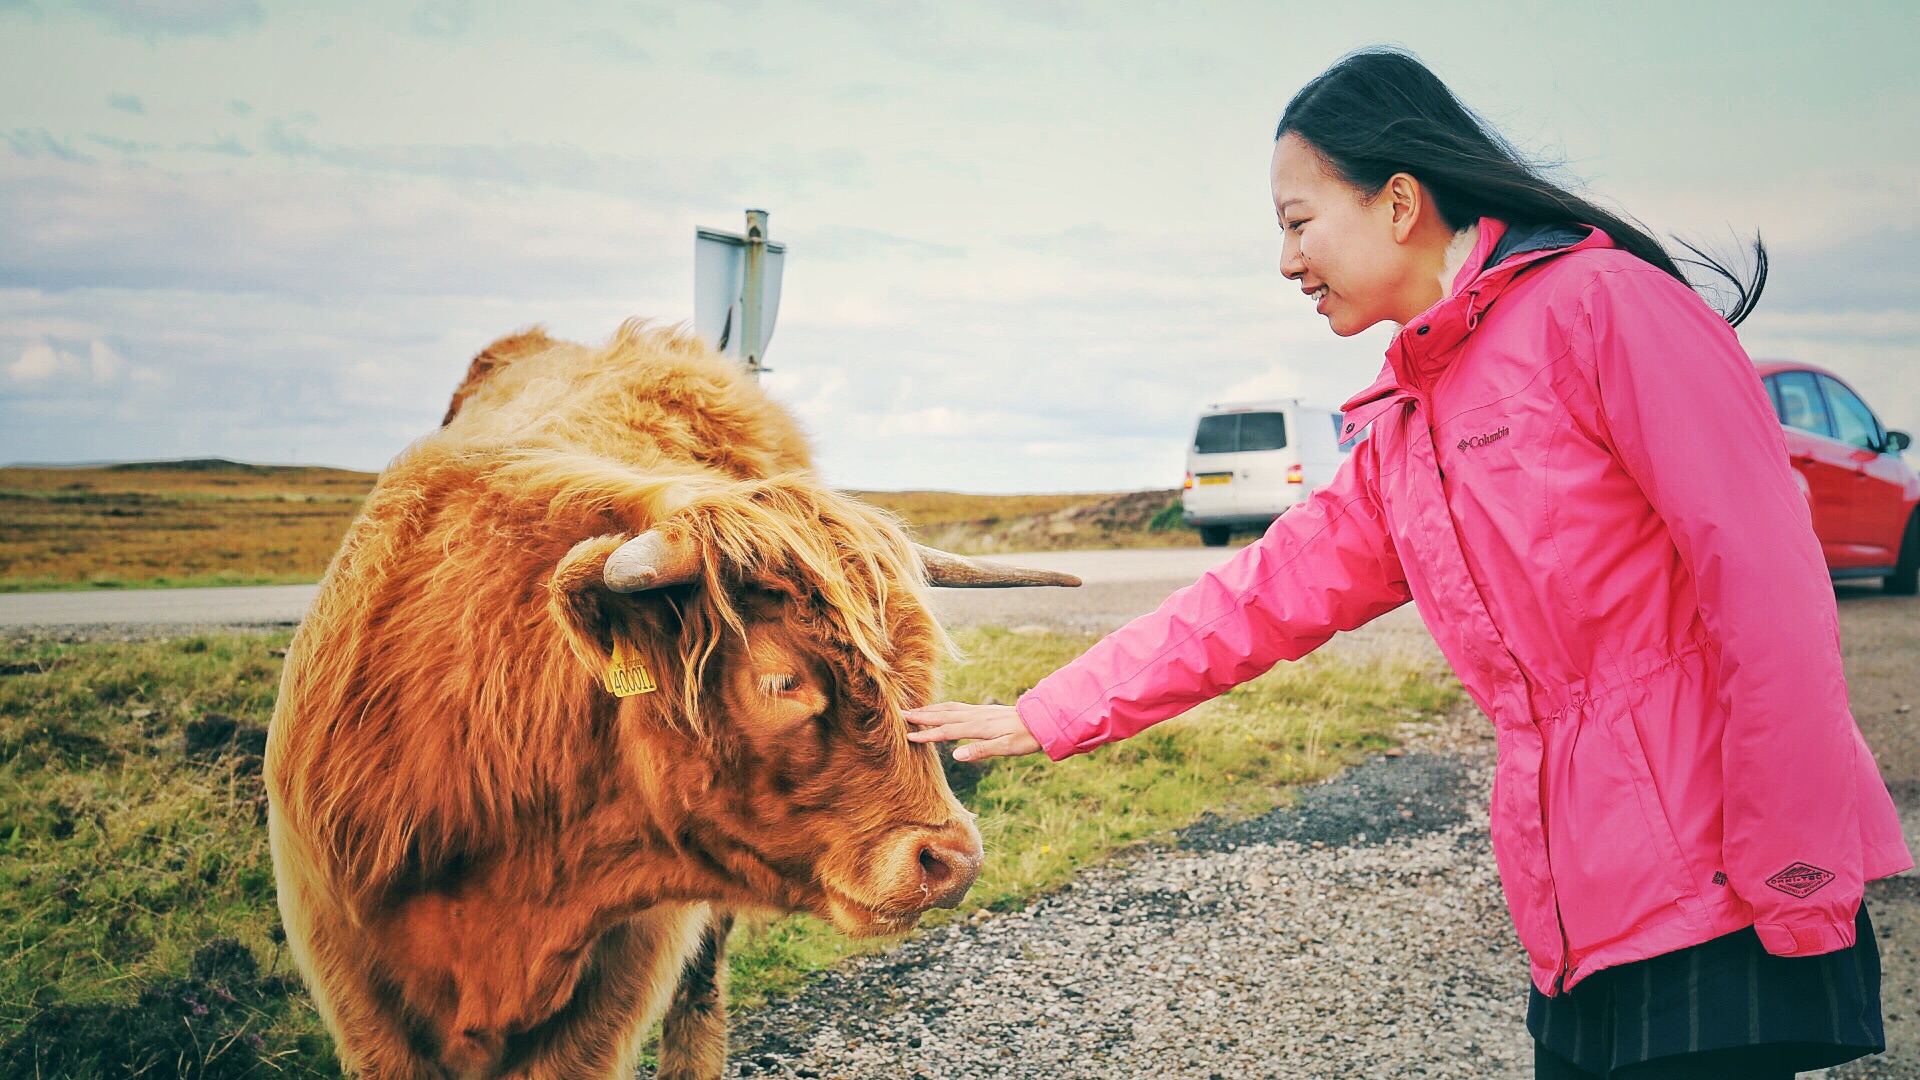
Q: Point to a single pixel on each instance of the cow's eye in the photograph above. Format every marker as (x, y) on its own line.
(779, 684)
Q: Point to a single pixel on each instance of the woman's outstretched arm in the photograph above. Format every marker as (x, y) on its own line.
(1325, 566)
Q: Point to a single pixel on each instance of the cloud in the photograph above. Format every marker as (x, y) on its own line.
(660, 179)
(617, 49)
(742, 63)
(223, 145)
(38, 361)
(124, 146)
(850, 243)
(445, 19)
(152, 19)
(1874, 272)
(39, 142)
(41, 361)
(133, 227)
(126, 103)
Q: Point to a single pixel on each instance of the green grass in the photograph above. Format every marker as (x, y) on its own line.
(122, 858)
(135, 883)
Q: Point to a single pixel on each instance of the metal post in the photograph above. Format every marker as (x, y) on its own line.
(751, 290)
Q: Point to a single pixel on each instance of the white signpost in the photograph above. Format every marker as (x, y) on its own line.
(736, 289)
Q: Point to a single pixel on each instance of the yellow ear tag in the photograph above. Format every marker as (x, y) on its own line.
(627, 675)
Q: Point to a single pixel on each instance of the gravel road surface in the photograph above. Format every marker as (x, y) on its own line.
(1359, 933)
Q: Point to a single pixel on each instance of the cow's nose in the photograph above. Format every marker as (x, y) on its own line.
(948, 867)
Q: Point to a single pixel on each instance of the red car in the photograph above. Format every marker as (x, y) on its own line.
(1863, 495)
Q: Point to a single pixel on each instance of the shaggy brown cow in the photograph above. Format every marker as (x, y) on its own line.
(600, 662)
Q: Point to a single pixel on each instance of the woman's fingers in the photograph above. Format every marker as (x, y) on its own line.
(951, 720)
(1012, 744)
(959, 729)
(942, 711)
(997, 727)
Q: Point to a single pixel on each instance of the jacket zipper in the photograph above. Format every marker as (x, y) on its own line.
(1566, 965)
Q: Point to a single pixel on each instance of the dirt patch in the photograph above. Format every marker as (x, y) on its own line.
(214, 736)
(195, 1027)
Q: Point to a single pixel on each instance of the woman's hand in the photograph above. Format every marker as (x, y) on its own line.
(997, 727)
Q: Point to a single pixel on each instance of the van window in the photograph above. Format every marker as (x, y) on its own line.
(1263, 431)
(1217, 434)
(1228, 433)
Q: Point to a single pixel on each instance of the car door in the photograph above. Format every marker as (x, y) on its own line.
(1824, 461)
(1876, 510)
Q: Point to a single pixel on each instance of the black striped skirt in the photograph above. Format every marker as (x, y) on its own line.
(1721, 994)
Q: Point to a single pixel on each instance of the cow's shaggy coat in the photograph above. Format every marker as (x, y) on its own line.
(489, 865)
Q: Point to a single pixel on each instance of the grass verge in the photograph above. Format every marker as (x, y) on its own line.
(137, 921)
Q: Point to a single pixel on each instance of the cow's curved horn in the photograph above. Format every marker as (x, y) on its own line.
(651, 561)
(951, 571)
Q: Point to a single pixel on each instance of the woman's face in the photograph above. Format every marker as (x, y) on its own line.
(1351, 255)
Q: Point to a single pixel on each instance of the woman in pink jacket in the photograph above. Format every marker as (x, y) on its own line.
(1576, 476)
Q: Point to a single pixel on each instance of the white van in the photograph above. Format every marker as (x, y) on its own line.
(1250, 461)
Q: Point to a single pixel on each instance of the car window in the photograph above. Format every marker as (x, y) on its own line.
(1263, 431)
(1772, 383)
(1217, 434)
(1853, 422)
(1801, 405)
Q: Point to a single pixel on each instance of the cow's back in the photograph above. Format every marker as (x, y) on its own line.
(652, 397)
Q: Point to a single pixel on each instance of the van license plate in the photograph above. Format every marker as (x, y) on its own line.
(1214, 478)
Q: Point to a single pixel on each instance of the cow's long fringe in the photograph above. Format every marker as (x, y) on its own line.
(848, 563)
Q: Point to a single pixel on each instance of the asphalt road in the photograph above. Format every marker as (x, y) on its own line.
(1118, 585)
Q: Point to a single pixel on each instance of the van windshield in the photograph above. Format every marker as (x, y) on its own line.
(1229, 433)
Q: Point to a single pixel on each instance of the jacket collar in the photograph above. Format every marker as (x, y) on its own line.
(1421, 349)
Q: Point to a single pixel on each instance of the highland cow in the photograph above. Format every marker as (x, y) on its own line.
(600, 662)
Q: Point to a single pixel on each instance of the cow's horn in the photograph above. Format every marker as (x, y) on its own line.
(959, 572)
(651, 561)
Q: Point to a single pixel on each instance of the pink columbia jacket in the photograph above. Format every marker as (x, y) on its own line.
(1576, 476)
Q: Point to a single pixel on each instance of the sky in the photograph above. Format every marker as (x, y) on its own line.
(1027, 241)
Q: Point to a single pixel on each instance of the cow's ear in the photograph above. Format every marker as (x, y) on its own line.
(593, 616)
(492, 359)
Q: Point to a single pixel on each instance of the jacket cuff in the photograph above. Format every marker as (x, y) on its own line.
(1807, 938)
(1041, 724)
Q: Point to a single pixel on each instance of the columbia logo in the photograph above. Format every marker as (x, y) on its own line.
(1801, 879)
(1475, 442)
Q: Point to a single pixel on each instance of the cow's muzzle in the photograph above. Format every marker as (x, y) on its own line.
(948, 863)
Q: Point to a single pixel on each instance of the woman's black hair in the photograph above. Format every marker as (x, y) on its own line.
(1379, 112)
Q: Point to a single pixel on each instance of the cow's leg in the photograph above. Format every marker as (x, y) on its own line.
(693, 1035)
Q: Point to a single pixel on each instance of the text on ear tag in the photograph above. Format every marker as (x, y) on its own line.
(627, 675)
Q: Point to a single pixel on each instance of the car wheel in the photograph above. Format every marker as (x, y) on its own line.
(1215, 535)
(1905, 579)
